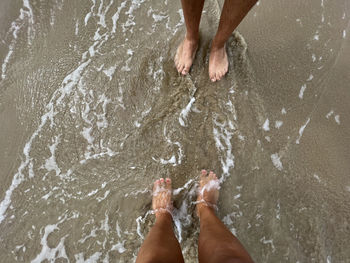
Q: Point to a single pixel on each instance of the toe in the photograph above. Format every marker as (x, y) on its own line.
(212, 77)
(180, 68)
(203, 178)
(185, 70)
(217, 76)
(204, 174)
(155, 185)
(168, 183)
(212, 175)
(221, 74)
(224, 72)
(161, 182)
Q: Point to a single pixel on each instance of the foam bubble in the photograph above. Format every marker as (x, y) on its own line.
(301, 131)
(276, 161)
(268, 241)
(222, 136)
(301, 92)
(119, 247)
(310, 77)
(337, 119)
(317, 177)
(93, 258)
(50, 163)
(26, 15)
(51, 253)
(115, 17)
(278, 124)
(184, 113)
(329, 114)
(266, 125)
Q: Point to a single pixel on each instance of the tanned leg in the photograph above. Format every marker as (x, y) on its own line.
(161, 245)
(232, 14)
(216, 243)
(187, 50)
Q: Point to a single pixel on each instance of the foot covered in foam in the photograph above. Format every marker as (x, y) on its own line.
(208, 192)
(161, 202)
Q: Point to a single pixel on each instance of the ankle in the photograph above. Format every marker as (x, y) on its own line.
(163, 217)
(217, 45)
(193, 38)
(203, 208)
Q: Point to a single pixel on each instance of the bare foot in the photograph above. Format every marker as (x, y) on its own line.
(185, 55)
(218, 63)
(161, 202)
(208, 192)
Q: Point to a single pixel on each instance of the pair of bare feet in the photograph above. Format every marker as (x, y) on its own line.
(186, 52)
(208, 194)
(215, 243)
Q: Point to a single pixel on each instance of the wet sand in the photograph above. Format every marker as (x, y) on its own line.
(92, 111)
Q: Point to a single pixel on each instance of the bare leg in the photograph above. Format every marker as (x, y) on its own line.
(161, 244)
(187, 49)
(216, 243)
(232, 14)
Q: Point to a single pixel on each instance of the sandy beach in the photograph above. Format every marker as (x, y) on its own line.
(92, 111)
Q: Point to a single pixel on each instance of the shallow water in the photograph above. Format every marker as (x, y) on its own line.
(92, 111)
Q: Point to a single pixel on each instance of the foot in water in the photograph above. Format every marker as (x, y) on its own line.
(185, 55)
(161, 202)
(208, 192)
(218, 63)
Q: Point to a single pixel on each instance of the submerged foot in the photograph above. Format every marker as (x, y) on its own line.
(161, 202)
(218, 63)
(185, 55)
(208, 192)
